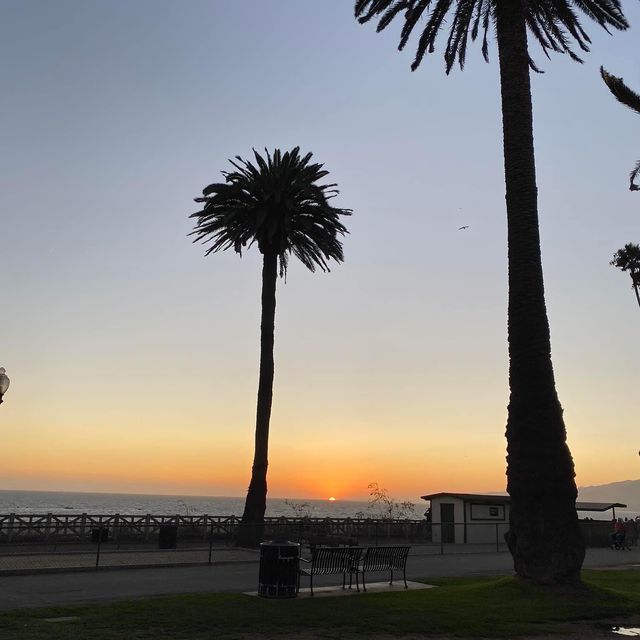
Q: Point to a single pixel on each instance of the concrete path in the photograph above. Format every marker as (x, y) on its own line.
(25, 560)
(65, 560)
(109, 585)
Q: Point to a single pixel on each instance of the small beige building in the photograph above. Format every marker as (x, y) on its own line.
(471, 518)
(463, 518)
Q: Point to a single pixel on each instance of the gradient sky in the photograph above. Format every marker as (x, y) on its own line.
(134, 358)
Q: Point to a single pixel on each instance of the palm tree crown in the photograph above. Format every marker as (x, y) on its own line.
(628, 259)
(632, 100)
(277, 204)
(554, 24)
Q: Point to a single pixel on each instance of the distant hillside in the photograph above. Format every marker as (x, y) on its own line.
(627, 492)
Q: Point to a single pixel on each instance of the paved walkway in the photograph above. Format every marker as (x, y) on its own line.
(237, 576)
(65, 560)
(24, 560)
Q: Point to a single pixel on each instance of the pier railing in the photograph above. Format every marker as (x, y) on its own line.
(63, 528)
(77, 528)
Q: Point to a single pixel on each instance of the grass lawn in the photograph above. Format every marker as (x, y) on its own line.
(472, 607)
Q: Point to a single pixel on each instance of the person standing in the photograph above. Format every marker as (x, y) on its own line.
(632, 532)
(619, 534)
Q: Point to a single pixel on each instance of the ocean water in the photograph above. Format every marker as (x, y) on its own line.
(60, 502)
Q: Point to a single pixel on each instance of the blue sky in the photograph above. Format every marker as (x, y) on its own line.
(123, 342)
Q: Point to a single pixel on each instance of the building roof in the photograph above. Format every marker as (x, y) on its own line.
(484, 498)
(598, 506)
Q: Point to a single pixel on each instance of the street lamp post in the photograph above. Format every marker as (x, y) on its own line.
(4, 383)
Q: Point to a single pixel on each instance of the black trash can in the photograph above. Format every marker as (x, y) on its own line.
(278, 569)
(100, 535)
(168, 536)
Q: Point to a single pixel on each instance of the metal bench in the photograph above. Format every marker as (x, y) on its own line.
(382, 559)
(330, 561)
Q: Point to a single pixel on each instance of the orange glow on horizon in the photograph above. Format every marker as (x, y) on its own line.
(206, 460)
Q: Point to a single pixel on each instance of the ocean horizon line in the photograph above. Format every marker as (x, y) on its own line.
(74, 502)
(181, 495)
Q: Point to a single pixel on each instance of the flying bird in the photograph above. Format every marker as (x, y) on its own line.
(465, 227)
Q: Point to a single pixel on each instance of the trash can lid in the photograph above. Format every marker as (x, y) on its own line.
(274, 543)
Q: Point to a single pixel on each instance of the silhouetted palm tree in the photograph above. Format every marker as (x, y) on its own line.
(277, 204)
(628, 259)
(544, 536)
(632, 100)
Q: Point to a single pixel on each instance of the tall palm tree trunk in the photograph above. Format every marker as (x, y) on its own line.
(635, 278)
(544, 536)
(250, 532)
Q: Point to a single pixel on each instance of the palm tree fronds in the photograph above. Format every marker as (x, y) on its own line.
(391, 13)
(621, 91)
(629, 98)
(627, 258)
(275, 201)
(632, 178)
(459, 33)
(604, 12)
(367, 9)
(554, 24)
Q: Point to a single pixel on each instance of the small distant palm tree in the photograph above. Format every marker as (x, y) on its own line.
(630, 99)
(277, 204)
(628, 259)
(544, 535)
